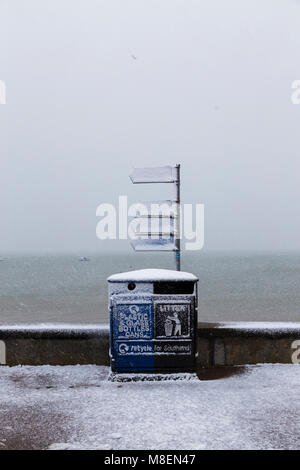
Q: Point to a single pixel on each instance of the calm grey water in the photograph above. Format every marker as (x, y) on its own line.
(232, 287)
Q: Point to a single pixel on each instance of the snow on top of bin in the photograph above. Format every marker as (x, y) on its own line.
(151, 275)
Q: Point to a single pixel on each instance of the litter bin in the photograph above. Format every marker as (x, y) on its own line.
(153, 321)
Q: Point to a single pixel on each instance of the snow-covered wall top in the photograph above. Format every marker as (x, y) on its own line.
(151, 275)
(97, 330)
(54, 330)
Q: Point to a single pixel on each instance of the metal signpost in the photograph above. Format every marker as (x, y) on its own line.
(153, 312)
(161, 239)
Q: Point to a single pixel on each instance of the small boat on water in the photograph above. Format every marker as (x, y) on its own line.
(83, 258)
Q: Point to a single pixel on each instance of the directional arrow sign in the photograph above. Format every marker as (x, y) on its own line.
(162, 244)
(162, 174)
(155, 228)
(153, 209)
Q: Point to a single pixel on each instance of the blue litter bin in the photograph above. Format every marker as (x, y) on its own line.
(153, 321)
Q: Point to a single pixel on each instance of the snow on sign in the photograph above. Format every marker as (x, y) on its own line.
(150, 244)
(163, 174)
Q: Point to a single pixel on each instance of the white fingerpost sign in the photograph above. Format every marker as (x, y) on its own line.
(158, 227)
(161, 174)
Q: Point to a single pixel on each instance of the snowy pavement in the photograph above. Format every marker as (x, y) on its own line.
(76, 407)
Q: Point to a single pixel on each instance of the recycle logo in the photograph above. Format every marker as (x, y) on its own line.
(123, 348)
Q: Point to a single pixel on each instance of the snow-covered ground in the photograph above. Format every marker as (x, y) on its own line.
(76, 407)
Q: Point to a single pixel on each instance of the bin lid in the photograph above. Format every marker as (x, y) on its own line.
(152, 275)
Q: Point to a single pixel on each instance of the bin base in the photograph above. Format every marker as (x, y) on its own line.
(142, 377)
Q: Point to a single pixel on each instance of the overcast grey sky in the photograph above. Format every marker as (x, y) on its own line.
(210, 88)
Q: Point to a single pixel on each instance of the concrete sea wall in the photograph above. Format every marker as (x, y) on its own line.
(219, 344)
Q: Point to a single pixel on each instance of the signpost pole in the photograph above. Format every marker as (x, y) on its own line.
(177, 219)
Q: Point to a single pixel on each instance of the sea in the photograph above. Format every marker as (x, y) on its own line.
(233, 286)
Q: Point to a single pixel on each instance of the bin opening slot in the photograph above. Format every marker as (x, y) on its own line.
(177, 287)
